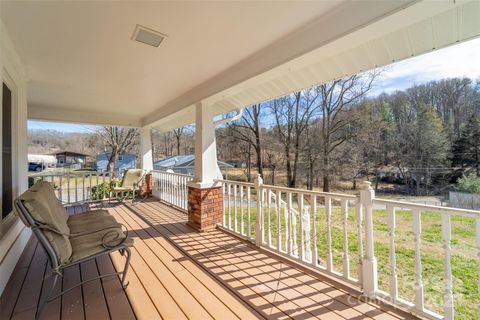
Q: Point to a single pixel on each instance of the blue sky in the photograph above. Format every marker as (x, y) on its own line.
(461, 60)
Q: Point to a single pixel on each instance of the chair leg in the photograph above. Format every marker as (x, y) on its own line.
(43, 304)
(127, 265)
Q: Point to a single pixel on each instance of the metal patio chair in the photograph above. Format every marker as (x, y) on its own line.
(132, 181)
(70, 240)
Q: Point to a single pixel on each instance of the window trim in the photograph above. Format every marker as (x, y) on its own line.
(9, 220)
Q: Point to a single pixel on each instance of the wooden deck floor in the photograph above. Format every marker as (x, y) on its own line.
(177, 273)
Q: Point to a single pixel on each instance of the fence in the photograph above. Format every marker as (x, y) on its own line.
(464, 200)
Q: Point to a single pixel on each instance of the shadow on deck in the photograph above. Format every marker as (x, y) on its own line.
(177, 273)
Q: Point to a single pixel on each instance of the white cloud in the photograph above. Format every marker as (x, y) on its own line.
(461, 60)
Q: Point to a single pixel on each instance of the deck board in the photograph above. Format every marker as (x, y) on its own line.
(178, 273)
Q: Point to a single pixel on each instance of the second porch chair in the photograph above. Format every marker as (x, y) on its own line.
(132, 182)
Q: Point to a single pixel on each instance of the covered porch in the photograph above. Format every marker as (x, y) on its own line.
(178, 273)
(85, 68)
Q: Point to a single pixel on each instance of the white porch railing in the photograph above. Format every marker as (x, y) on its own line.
(171, 188)
(302, 225)
(73, 188)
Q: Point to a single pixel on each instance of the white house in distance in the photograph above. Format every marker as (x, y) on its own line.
(162, 65)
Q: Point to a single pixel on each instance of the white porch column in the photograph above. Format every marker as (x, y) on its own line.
(146, 149)
(206, 168)
(205, 197)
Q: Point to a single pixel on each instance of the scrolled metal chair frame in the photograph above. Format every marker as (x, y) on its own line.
(57, 268)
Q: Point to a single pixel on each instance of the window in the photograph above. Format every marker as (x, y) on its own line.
(7, 179)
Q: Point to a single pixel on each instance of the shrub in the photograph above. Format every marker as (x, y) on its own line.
(102, 190)
(469, 184)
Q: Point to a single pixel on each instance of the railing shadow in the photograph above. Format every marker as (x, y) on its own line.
(269, 285)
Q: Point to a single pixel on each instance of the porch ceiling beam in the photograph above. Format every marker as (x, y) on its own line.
(54, 114)
(343, 20)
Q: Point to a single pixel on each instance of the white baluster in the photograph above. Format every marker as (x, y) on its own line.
(279, 224)
(293, 214)
(60, 182)
(477, 224)
(269, 227)
(449, 311)
(314, 222)
(302, 229)
(90, 179)
(249, 225)
(229, 207)
(97, 184)
(83, 187)
(289, 223)
(346, 257)
(224, 190)
(259, 222)
(241, 211)
(68, 188)
(328, 212)
(359, 220)
(76, 188)
(235, 207)
(417, 232)
(393, 256)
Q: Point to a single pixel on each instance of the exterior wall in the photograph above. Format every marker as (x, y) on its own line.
(13, 234)
(205, 207)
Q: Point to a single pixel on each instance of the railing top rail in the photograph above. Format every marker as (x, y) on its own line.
(242, 183)
(173, 173)
(426, 207)
(311, 192)
(58, 174)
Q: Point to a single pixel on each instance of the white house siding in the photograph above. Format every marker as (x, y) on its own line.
(13, 234)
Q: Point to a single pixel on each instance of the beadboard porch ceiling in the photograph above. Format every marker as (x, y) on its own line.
(83, 67)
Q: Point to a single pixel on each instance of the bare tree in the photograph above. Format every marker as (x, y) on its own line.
(337, 97)
(248, 129)
(292, 115)
(118, 140)
(183, 135)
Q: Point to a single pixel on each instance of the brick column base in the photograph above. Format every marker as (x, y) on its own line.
(146, 189)
(205, 208)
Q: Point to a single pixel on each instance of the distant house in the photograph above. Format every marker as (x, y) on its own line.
(125, 161)
(183, 164)
(70, 159)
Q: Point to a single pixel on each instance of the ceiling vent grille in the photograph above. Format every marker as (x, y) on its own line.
(148, 36)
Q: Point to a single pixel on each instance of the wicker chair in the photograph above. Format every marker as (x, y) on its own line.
(132, 181)
(70, 240)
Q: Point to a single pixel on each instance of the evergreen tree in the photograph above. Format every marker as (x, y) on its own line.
(466, 150)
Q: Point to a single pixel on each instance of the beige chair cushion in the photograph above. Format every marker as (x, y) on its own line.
(122, 189)
(92, 214)
(87, 245)
(41, 202)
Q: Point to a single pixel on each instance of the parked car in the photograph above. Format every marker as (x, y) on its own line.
(37, 167)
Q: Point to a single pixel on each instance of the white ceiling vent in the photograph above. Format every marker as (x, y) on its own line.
(148, 36)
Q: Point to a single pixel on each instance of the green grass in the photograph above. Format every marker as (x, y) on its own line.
(465, 266)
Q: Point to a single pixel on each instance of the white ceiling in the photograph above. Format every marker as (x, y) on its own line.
(418, 28)
(80, 59)
(83, 67)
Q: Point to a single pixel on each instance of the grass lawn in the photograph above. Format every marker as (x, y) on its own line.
(465, 266)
